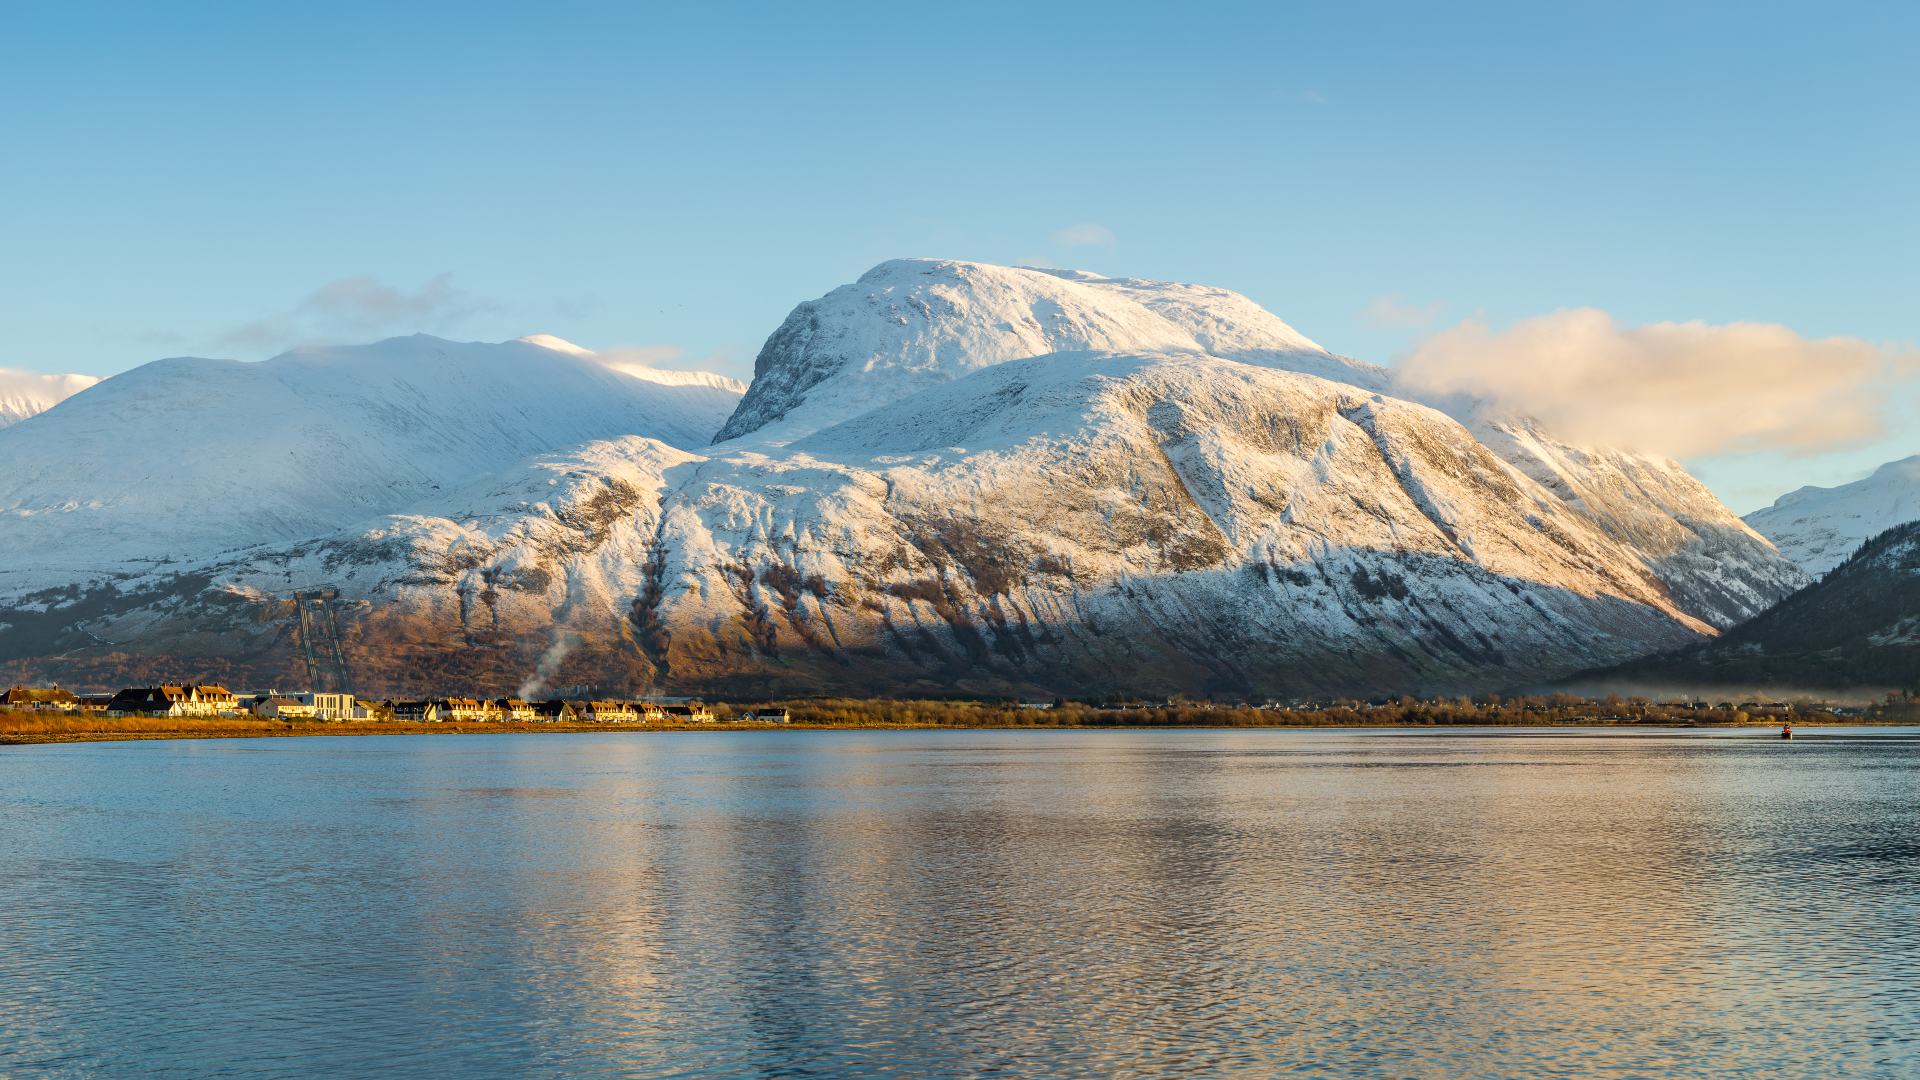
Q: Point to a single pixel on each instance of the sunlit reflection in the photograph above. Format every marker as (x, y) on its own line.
(967, 903)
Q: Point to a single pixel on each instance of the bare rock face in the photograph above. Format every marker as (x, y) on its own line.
(950, 478)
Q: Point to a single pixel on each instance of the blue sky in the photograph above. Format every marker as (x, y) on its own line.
(186, 178)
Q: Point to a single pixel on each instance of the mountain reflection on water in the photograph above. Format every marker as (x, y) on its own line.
(964, 903)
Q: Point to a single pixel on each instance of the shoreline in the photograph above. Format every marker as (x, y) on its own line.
(102, 731)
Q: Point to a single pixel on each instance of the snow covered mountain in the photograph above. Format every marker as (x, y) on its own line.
(178, 460)
(30, 393)
(914, 323)
(946, 477)
(1819, 527)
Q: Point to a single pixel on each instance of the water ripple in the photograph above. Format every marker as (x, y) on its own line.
(964, 904)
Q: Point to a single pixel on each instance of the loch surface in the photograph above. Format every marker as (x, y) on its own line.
(965, 903)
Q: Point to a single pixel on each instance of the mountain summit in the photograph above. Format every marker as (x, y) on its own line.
(910, 324)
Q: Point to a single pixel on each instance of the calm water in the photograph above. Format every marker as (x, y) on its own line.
(964, 903)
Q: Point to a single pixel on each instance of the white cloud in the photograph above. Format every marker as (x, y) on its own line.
(1086, 235)
(667, 364)
(1394, 311)
(623, 357)
(358, 308)
(39, 384)
(1673, 388)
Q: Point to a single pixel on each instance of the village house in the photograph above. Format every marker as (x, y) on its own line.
(768, 715)
(148, 701)
(466, 710)
(216, 700)
(39, 699)
(515, 710)
(608, 712)
(427, 712)
(556, 712)
(281, 707)
(692, 713)
(335, 706)
(168, 699)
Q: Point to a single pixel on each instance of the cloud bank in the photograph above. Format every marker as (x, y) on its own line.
(36, 384)
(1086, 235)
(358, 308)
(1679, 389)
(1396, 312)
(648, 357)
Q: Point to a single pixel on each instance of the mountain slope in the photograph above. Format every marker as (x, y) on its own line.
(25, 394)
(180, 459)
(1819, 527)
(1856, 629)
(1710, 560)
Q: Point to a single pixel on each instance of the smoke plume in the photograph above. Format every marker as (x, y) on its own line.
(549, 663)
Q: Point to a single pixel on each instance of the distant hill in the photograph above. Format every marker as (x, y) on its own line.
(1818, 527)
(1856, 629)
(25, 394)
(181, 461)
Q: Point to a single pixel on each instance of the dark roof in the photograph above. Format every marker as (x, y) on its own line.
(140, 698)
